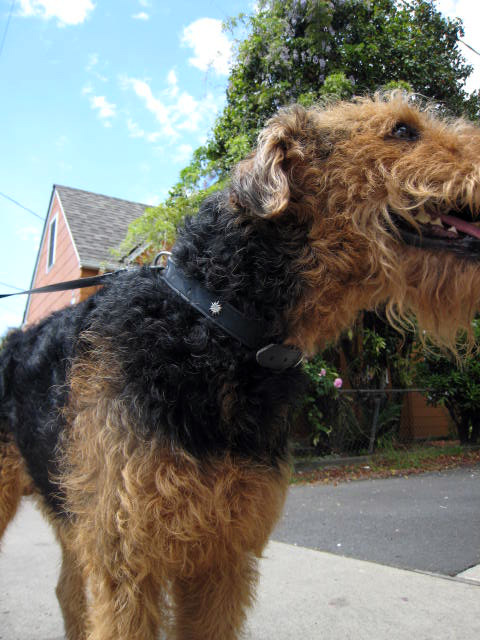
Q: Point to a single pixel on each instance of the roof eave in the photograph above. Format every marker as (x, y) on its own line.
(100, 266)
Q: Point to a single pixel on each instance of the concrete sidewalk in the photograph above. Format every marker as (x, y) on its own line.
(303, 594)
(312, 595)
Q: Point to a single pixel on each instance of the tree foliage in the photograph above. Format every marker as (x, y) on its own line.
(456, 387)
(296, 48)
(306, 50)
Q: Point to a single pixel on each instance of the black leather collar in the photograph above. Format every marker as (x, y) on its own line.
(247, 331)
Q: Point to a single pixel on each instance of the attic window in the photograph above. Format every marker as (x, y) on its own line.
(52, 237)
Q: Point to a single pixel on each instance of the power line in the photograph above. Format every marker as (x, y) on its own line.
(4, 195)
(6, 26)
(10, 286)
(467, 45)
(407, 5)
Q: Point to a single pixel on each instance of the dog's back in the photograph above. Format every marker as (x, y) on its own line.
(5, 361)
(15, 480)
(33, 371)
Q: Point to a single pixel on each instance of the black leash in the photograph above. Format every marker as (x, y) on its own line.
(210, 304)
(66, 286)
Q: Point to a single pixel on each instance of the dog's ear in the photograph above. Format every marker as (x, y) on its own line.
(262, 183)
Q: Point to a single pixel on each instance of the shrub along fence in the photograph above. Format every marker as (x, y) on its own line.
(377, 387)
(359, 421)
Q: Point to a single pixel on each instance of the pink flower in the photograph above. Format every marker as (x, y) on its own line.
(323, 372)
(337, 383)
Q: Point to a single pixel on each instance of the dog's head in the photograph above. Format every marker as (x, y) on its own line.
(390, 192)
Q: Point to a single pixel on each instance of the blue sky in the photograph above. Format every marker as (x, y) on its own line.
(111, 96)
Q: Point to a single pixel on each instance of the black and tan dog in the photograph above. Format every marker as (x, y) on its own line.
(154, 439)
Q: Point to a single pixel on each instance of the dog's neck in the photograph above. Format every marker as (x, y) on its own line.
(250, 262)
(249, 332)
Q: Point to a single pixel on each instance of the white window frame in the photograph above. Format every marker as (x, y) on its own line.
(49, 241)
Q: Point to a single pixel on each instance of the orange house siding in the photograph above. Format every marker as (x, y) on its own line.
(420, 421)
(83, 294)
(65, 267)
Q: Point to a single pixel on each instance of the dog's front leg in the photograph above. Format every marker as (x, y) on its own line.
(212, 605)
(71, 595)
(123, 610)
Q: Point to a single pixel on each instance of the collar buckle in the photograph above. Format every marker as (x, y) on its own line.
(279, 357)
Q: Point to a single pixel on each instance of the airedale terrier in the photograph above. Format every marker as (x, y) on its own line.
(151, 420)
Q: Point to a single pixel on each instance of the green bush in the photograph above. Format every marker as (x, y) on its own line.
(320, 404)
(455, 386)
(369, 356)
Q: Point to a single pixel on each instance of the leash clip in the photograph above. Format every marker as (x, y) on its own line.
(158, 257)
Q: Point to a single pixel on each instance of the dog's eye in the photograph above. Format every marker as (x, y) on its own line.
(402, 131)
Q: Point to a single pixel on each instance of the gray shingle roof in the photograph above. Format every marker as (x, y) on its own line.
(98, 223)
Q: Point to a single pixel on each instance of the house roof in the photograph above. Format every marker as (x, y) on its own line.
(97, 223)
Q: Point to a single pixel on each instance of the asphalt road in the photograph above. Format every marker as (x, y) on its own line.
(429, 522)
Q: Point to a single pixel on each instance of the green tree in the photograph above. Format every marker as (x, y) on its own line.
(454, 386)
(295, 46)
(305, 50)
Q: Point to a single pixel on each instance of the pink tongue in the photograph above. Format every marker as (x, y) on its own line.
(461, 225)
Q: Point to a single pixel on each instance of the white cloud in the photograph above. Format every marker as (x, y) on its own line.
(9, 319)
(106, 110)
(94, 65)
(154, 105)
(469, 12)
(141, 16)
(92, 61)
(30, 235)
(172, 84)
(154, 199)
(174, 110)
(144, 3)
(188, 107)
(153, 137)
(67, 12)
(61, 141)
(134, 130)
(211, 47)
(183, 154)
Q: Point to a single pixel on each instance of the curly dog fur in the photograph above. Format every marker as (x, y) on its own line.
(154, 442)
